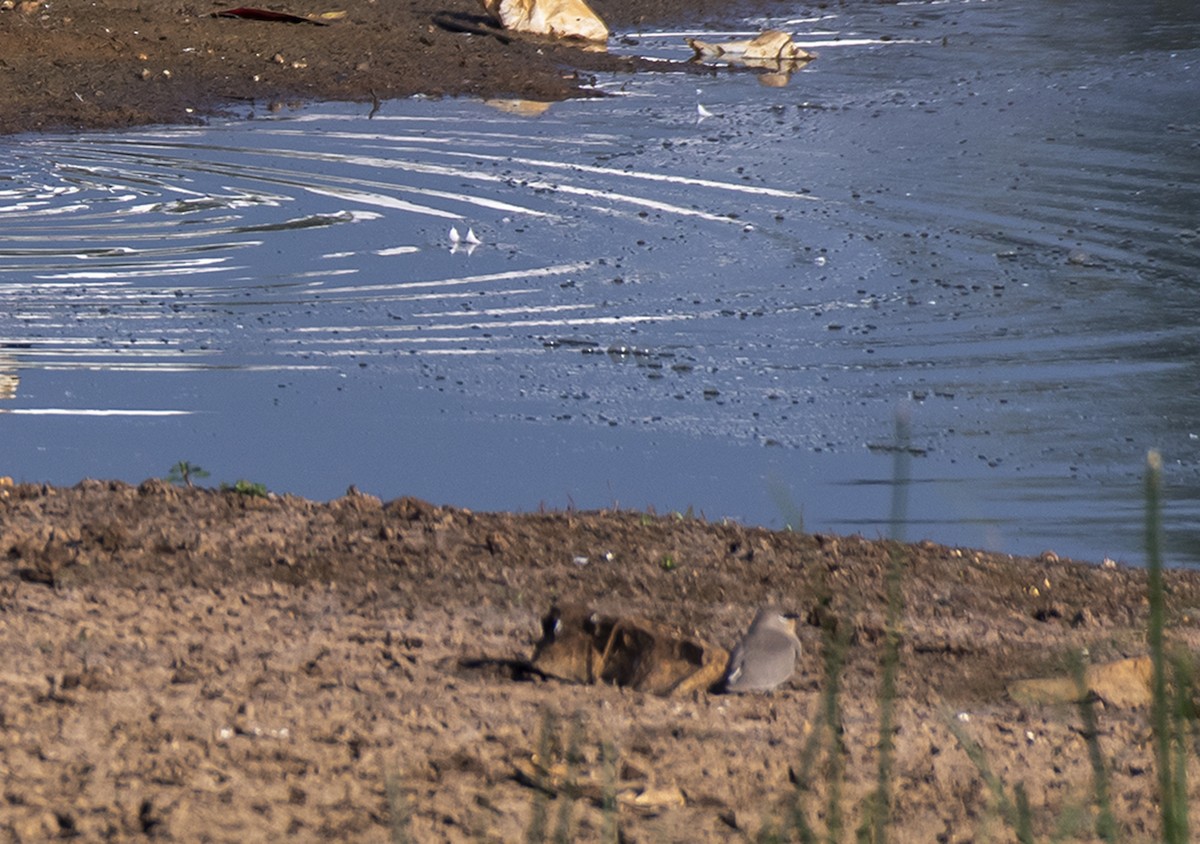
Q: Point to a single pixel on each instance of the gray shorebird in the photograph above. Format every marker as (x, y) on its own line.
(766, 655)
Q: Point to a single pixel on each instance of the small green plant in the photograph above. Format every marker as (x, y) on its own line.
(667, 563)
(183, 472)
(536, 832)
(247, 488)
(793, 513)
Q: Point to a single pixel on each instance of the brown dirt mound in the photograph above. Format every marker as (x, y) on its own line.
(202, 665)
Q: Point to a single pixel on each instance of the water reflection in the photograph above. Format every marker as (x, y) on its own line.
(957, 211)
(9, 377)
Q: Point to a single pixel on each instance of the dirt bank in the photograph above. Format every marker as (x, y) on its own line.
(199, 665)
(113, 63)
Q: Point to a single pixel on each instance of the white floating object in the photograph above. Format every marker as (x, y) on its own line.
(455, 237)
(472, 239)
(702, 113)
(772, 45)
(556, 18)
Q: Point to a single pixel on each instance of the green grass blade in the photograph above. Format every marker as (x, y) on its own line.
(808, 757)
(832, 717)
(1024, 817)
(1160, 705)
(995, 785)
(1180, 712)
(566, 797)
(610, 830)
(877, 818)
(398, 810)
(1106, 825)
(536, 833)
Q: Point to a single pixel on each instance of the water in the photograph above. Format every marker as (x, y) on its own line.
(983, 216)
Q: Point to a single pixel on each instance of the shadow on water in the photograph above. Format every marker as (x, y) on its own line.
(957, 208)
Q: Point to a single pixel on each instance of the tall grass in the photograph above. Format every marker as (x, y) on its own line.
(879, 811)
(1171, 710)
(1171, 715)
(1167, 711)
(875, 814)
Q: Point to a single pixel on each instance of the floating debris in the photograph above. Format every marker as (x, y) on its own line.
(773, 51)
(556, 18)
(772, 46)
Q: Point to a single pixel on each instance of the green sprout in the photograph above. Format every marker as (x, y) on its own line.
(247, 488)
(183, 472)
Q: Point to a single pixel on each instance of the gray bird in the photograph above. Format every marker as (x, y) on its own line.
(766, 655)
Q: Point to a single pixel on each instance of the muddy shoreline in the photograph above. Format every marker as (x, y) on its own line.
(120, 63)
(195, 664)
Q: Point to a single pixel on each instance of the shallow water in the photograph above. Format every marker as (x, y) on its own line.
(981, 217)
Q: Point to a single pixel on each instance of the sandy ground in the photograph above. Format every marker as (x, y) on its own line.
(205, 666)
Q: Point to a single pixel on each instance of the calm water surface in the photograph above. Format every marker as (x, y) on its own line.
(983, 217)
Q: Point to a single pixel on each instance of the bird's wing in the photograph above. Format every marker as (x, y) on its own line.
(736, 666)
(780, 643)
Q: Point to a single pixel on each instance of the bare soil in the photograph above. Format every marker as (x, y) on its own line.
(196, 665)
(98, 64)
